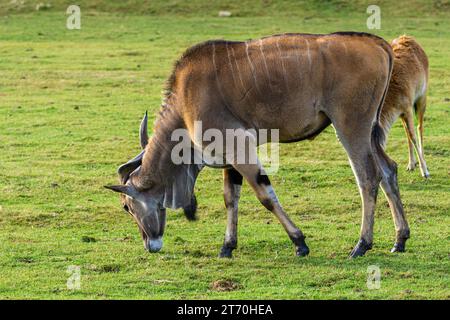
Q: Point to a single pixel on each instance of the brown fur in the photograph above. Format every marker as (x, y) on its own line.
(407, 94)
(295, 83)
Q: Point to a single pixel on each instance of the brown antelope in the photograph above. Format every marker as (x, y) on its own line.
(407, 94)
(295, 83)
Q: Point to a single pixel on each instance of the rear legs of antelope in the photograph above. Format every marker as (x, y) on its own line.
(371, 165)
(415, 145)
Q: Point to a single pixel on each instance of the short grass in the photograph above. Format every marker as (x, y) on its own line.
(70, 106)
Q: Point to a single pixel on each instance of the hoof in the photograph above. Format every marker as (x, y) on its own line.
(360, 249)
(302, 252)
(301, 249)
(226, 252)
(426, 175)
(399, 246)
(411, 166)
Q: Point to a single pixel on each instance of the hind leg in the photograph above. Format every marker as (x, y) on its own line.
(364, 166)
(354, 131)
(408, 121)
(420, 107)
(389, 186)
(367, 176)
(412, 163)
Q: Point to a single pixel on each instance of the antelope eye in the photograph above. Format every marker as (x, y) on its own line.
(125, 207)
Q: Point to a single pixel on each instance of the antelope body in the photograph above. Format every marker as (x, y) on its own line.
(296, 83)
(407, 94)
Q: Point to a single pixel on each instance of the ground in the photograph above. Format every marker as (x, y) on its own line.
(70, 107)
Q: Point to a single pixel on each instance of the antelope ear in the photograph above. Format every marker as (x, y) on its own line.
(122, 189)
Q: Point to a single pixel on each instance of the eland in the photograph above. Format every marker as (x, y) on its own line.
(298, 84)
(407, 95)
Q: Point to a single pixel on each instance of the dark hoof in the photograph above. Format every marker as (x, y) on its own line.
(191, 209)
(301, 249)
(226, 252)
(360, 249)
(302, 252)
(399, 246)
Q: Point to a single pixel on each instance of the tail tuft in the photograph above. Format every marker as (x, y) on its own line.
(191, 209)
(378, 136)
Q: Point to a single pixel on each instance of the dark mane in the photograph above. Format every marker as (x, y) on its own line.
(338, 33)
(357, 34)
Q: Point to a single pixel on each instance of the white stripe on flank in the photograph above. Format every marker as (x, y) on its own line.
(282, 65)
(299, 64)
(231, 65)
(264, 59)
(251, 66)
(238, 70)
(345, 48)
(217, 75)
(309, 53)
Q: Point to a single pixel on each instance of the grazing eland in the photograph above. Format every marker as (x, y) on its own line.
(297, 84)
(407, 94)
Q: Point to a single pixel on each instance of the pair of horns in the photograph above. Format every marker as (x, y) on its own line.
(126, 169)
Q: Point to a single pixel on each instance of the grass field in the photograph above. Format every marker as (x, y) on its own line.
(70, 107)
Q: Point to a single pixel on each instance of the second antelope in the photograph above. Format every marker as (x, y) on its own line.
(407, 94)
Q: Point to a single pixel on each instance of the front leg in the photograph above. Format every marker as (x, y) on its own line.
(232, 183)
(259, 181)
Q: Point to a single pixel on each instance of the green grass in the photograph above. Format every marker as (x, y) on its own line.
(70, 106)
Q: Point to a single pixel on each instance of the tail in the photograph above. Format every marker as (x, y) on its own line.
(420, 105)
(382, 159)
(378, 133)
(191, 209)
(378, 137)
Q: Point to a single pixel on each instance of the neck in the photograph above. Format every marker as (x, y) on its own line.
(156, 163)
(176, 181)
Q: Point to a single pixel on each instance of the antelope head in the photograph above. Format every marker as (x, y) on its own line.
(144, 202)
